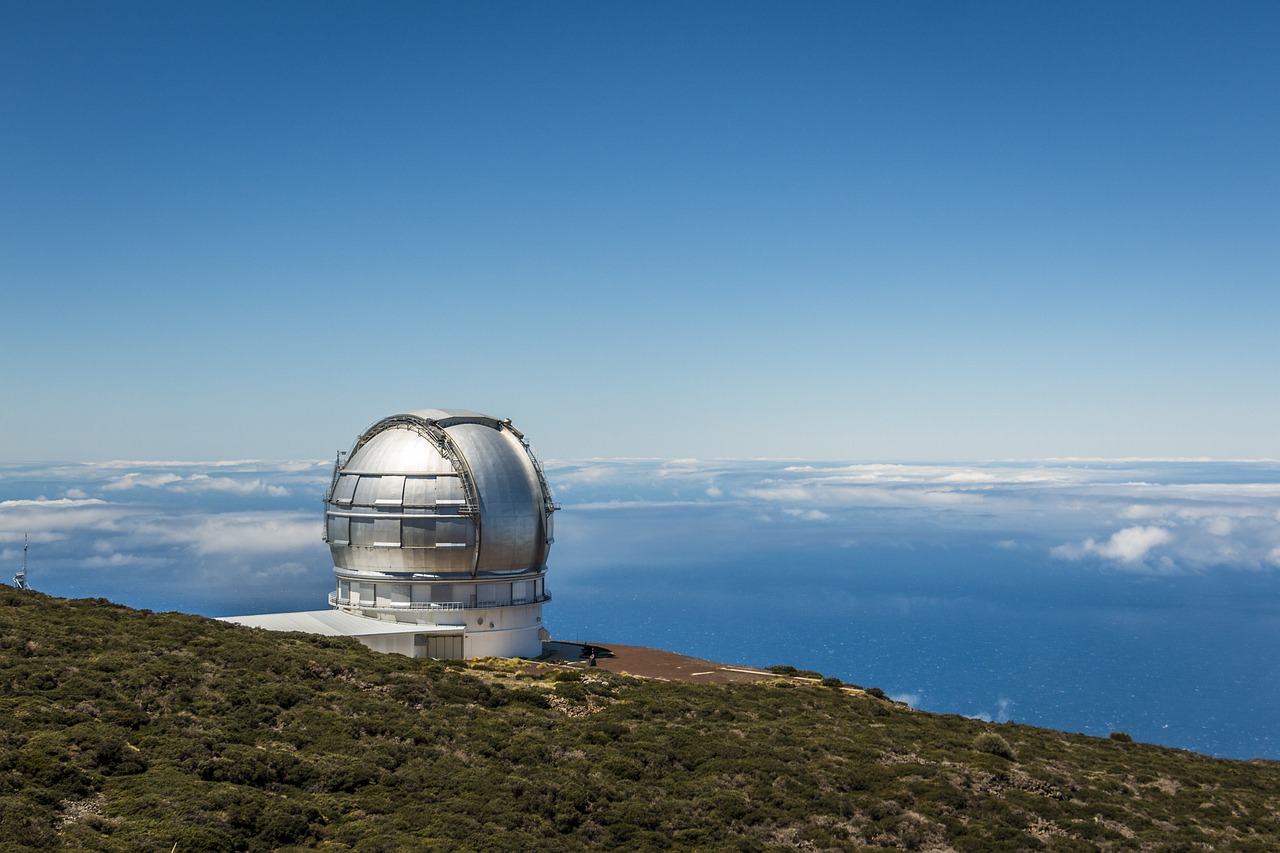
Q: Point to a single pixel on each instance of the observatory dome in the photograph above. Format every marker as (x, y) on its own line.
(440, 491)
(436, 512)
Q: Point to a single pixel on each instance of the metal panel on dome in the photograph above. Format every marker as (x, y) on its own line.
(418, 532)
(450, 492)
(345, 489)
(366, 490)
(420, 491)
(362, 531)
(398, 450)
(390, 490)
(338, 529)
(386, 532)
(511, 505)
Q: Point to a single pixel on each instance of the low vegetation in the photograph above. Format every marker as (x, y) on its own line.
(132, 731)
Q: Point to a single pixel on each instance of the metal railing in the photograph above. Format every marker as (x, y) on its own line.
(336, 601)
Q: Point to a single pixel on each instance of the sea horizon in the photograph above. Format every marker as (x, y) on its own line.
(1082, 595)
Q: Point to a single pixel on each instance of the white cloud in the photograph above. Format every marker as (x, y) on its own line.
(194, 483)
(135, 480)
(596, 506)
(243, 533)
(1219, 525)
(883, 473)
(1130, 545)
(807, 514)
(52, 520)
(205, 483)
(836, 495)
(1158, 517)
(1201, 515)
(1133, 543)
(119, 559)
(225, 463)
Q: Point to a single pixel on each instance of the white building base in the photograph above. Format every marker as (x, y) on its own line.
(468, 634)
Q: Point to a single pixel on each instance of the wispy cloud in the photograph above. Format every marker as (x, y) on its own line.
(806, 514)
(207, 528)
(205, 520)
(135, 480)
(46, 520)
(1134, 516)
(248, 533)
(194, 483)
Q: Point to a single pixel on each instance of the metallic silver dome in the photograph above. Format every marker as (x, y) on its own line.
(439, 492)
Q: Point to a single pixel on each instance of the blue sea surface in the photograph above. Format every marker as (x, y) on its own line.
(1191, 662)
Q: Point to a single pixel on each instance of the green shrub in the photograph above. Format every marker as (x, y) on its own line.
(1122, 737)
(993, 744)
(126, 731)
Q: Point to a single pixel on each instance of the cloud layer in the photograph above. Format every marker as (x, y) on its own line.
(197, 527)
(1133, 515)
(167, 535)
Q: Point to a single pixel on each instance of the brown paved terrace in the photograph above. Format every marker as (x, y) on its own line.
(653, 663)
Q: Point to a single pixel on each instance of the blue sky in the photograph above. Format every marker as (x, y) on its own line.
(832, 231)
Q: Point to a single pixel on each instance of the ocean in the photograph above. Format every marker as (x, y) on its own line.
(1191, 662)
(1085, 595)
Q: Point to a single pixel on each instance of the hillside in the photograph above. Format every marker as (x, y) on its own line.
(133, 731)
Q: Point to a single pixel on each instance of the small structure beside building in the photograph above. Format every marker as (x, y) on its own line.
(20, 577)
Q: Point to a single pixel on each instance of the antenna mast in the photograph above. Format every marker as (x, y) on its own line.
(20, 579)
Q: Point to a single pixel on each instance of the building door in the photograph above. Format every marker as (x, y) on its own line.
(440, 646)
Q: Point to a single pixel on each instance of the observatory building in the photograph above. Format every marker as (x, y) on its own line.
(439, 522)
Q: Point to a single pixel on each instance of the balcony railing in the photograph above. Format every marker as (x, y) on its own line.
(336, 601)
